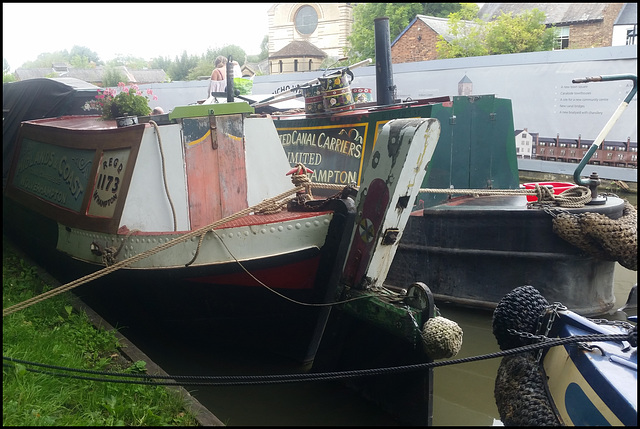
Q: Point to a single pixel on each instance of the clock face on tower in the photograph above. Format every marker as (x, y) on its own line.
(306, 20)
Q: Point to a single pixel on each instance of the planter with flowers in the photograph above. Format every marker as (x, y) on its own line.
(125, 104)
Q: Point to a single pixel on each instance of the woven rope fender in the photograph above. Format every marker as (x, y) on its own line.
(520, 391)
(441, 337)
(601, 236)
(619, 237)
(520, 310)
(568, 227)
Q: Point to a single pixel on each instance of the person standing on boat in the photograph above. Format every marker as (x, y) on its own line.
(218, 82)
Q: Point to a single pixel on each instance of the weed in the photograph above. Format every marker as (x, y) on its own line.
(51, 332)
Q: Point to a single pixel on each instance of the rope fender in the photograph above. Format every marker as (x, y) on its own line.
(520, 386)
(600, 236)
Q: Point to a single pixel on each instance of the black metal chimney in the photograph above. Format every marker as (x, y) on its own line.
(230, 88)
(385, 89)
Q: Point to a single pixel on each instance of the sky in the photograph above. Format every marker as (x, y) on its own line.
(146, 30)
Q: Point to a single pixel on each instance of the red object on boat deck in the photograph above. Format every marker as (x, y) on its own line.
(558, 188)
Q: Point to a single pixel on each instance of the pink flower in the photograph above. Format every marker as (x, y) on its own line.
(149, 91)
(155, 97)
(100, 96)
(138, 92)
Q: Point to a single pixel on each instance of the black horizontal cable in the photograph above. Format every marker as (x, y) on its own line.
(236, 380)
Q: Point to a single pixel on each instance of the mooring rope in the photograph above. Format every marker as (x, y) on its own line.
(545, 196)
(146, 254)
(574, 197)
(236, 380)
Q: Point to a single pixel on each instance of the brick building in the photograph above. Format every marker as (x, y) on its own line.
(417, 42)
(579, 25)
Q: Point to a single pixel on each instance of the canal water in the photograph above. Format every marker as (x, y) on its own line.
(463, 393)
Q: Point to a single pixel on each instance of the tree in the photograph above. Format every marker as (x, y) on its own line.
(236, 52)
(84, 52)
(362, 38)
(135, 63)
(160, 63)
(468, 38)
(111, 77)
(6, 75)
(46, 59)
(80, 62)
(505, 35)
(442, 10)
(180, 68)
(523, 33)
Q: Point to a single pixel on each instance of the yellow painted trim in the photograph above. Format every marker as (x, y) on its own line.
(201, 139)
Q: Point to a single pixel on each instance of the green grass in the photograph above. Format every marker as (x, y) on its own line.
(53, 333)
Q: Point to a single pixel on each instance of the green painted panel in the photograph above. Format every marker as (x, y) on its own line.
(56, 174)
(200, 110)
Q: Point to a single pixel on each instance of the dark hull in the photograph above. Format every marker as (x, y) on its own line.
(215, 295)
(473, 251)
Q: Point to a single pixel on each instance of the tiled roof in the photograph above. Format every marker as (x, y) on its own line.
(438, 25)
(556, 13)
(299, 48)
(628, 15)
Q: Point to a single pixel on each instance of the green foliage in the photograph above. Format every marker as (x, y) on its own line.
(362, 38)
(185, 67)
(46, 59)
(127, 101)
(467, 11)
(442, 10)
(467, 39)
(135, 63)
(78, 54)
(6, 75)
(160, 63)
(202, 70)
(80, 62)
(236, 53)
(505, 35)
(51, 332)
(111, 76)
(523, 33)
(242, 85)
(84, 52)
(180, 68)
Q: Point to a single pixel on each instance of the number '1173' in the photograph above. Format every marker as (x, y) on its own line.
(104, 183)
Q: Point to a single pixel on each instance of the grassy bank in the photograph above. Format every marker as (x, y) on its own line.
(53, 333)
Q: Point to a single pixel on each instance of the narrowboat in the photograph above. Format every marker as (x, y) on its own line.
(584, 381)
(204, 195)
(473, 232)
